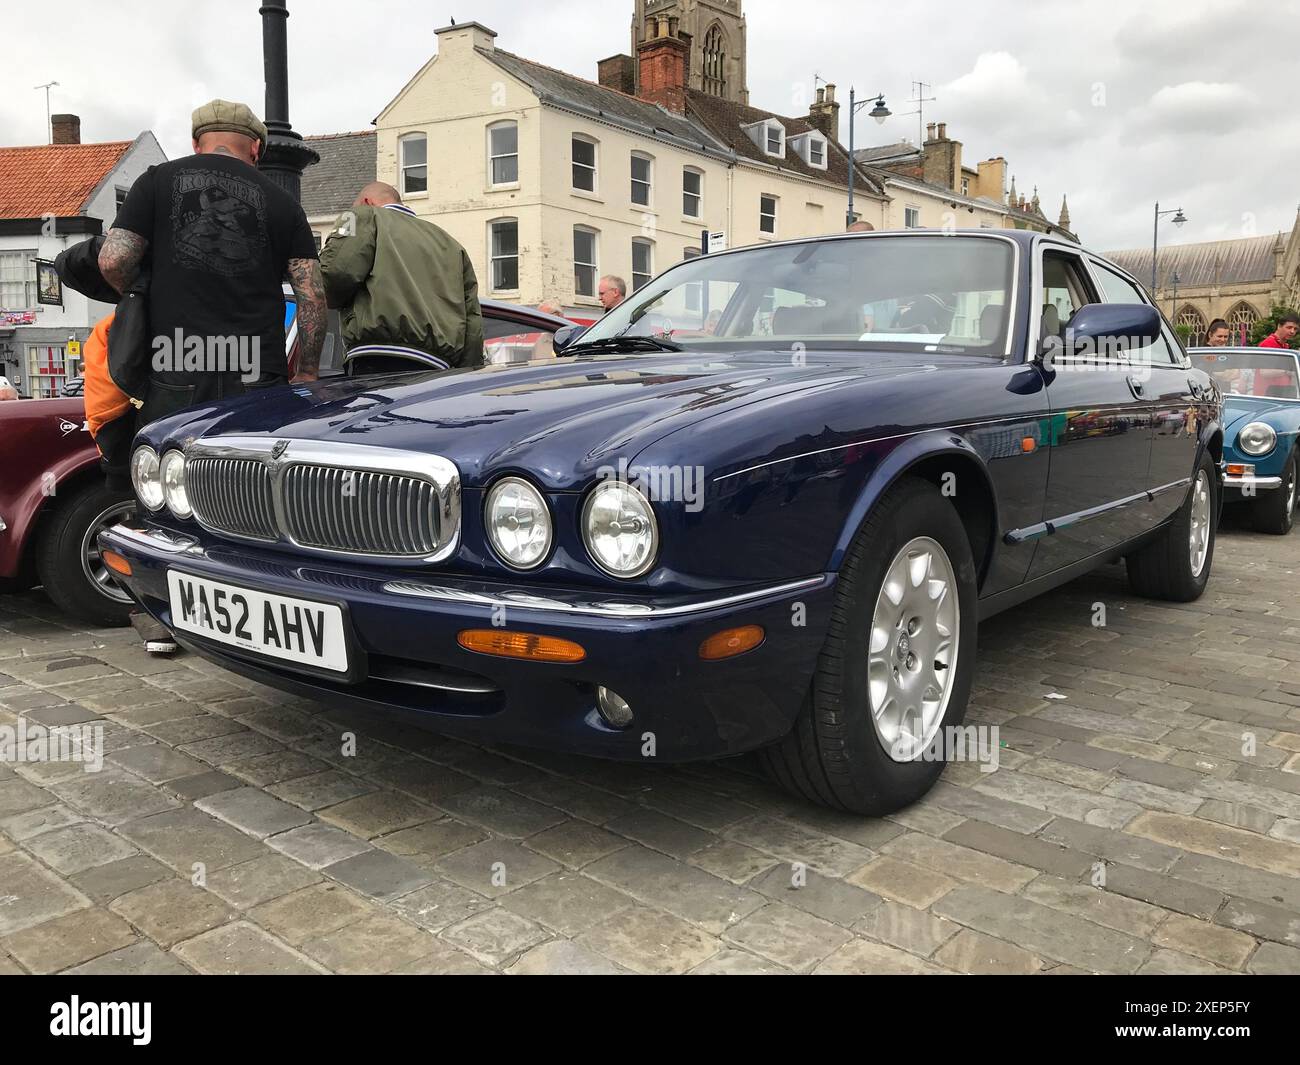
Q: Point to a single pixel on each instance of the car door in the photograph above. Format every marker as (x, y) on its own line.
(1098, 473)
(1167, 386)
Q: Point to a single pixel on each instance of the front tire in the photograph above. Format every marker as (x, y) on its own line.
(1176, 566)
(897, 664)
(67, 556)
(1275, 513)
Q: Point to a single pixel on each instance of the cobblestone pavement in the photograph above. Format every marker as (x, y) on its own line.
(1145, 818)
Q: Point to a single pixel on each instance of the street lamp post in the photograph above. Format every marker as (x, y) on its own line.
(286, 156)
(880, 112)
(1180, 220)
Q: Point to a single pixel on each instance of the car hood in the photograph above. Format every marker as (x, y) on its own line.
(1240, 411)
(560, 419)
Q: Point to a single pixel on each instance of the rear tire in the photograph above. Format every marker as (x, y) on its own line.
(1275, 512)
(67, 558)
(1167, 567)
(836, 754)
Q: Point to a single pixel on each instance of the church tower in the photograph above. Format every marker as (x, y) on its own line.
(715, 33)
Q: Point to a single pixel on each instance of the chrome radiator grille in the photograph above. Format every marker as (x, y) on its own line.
(233, 495)
(325, 498)
(362, 512)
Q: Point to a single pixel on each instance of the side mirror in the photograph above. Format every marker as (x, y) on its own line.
(565, 336)
(1111, 329)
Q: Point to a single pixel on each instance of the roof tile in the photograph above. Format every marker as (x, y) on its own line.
(54, 179)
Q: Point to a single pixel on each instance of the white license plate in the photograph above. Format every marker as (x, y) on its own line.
(278, 626)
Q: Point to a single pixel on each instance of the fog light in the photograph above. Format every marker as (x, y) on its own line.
(521, 645)
(731, 642)
(116, 563)
(613, 707)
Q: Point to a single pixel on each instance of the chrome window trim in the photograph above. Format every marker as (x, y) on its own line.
(441, 473)
(517, 600)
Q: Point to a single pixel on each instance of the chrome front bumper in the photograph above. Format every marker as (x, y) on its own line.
(1252, 484)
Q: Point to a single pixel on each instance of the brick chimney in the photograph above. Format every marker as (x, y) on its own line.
(825, 113)
(66, 129)
(941, 158)
(618, 72)
(662, 59)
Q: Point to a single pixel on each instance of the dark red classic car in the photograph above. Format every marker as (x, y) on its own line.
(53, 503)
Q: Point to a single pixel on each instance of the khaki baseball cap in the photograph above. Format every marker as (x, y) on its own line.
(229, 117)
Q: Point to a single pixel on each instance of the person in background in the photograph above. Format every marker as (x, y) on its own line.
(551, 307)
(405, 287)
(611, 292)
(1217, 336)
(7, 391)
(1287, 327)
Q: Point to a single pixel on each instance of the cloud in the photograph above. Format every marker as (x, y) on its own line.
(1117, 106)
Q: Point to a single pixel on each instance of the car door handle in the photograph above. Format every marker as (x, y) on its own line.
(1136, 386)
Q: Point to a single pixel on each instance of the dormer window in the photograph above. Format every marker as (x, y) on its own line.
(811, 148)
(769, 135)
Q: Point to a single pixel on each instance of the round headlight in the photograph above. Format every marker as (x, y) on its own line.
(619, 529)
(518, 523)
(145, 478)
(1257, 439)
(173, 484)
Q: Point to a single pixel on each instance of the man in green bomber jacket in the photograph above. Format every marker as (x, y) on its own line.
(406, 289)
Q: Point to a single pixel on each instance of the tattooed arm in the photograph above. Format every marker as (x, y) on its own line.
(121, 256)
(309, 290)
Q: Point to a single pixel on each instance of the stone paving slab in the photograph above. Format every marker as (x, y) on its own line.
(1144, 818)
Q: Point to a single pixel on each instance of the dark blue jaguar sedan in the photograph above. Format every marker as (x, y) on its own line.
(762, 505)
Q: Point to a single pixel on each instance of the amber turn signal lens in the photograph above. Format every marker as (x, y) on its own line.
(521, 645)
(1235, 469)
(1028, 445)
(116, 563)
(731, 642)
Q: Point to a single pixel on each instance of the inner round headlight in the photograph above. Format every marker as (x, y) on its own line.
(519, 523)
(173, 484)
(619, 528)
(1257, 439)
(145, 478)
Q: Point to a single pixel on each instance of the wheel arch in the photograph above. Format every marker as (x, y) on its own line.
(931, 457)
(69, 478)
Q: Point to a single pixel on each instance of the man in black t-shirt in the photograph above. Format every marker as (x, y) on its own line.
(218, 238)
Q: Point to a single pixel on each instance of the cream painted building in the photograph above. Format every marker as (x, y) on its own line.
(551, 181)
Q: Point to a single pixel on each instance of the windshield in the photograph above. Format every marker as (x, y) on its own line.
(932, 293)
(1251, 373)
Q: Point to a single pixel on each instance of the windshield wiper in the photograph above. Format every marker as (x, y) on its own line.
(620, 342)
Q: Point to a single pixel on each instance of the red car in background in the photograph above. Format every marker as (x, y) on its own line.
(53, 501)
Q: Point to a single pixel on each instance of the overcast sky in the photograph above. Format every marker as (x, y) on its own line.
(1115, 104)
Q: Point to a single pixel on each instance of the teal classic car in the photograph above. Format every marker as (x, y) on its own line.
(1261, 420)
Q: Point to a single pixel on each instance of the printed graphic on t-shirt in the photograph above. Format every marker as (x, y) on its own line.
(218, 222)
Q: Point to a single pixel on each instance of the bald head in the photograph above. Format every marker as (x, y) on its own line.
(377, 194)
(223, 142)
